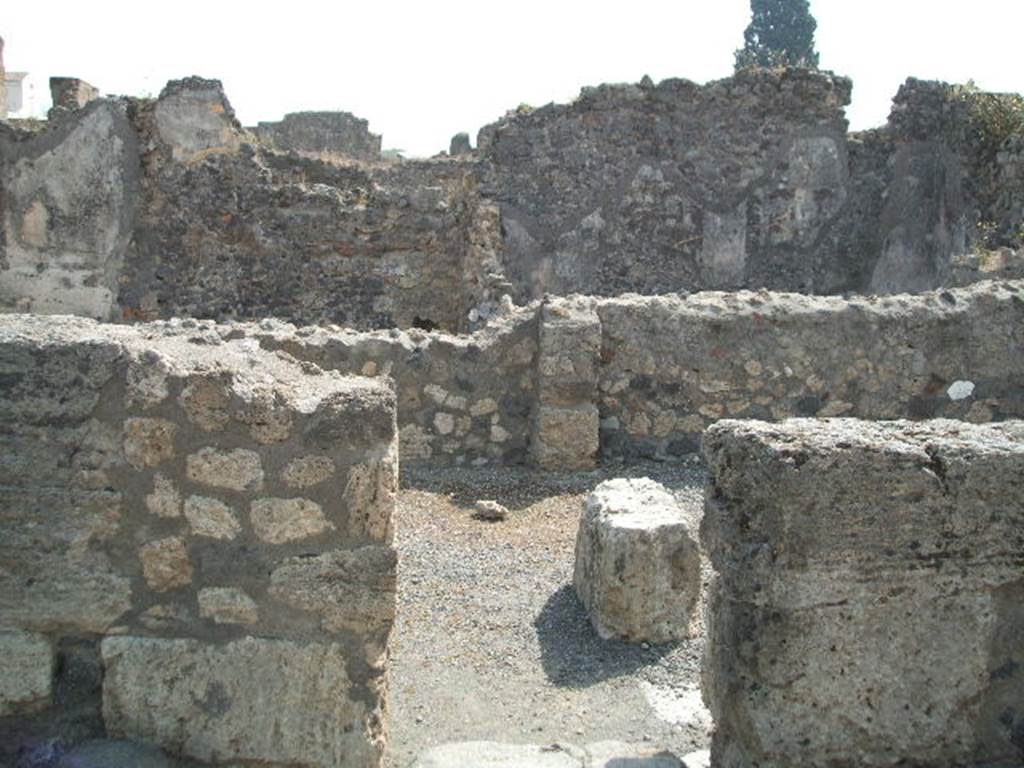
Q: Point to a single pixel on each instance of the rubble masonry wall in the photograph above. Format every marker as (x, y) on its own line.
(205, 527)
(565, 382)
(142, 209)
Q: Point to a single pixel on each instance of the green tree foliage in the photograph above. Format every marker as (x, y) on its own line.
(780, 34)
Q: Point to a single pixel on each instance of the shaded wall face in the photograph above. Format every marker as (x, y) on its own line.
(675, 186)
(226, 230)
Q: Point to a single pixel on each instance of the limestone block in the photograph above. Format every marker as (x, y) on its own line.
(211, 518)
(370, 498)
(55, 575)
(638, 562)
(165, 564)
(868, 601)
(227, 605)
(305, 471)
(194, 119)
(566, 438)
(207, 403)
(251, 701)
(26, 673)
(148, 442)
(570, 347)
(164, 501)
(268, 417)
(281, 520)
(489, 754)
(350, 590)
(236, 470)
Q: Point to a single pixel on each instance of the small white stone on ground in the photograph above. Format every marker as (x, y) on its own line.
(487, 509)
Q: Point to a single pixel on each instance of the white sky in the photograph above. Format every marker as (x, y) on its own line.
(423, 71)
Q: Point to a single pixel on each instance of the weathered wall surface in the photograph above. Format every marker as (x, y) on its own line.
(141, 210)
(204, 528)
(68, 205)
(672, 366)
(568, 382)
(228, 231)
(148, 209)
(653, 188)
(461, 399)
(748, 182)
(867, 603)
(322, 134)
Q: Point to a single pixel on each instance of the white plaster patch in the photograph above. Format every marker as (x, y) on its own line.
(960, 390)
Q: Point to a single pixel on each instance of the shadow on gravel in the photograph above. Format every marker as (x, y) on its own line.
(572, 654)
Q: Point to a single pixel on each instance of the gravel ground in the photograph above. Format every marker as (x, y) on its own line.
(490, 641)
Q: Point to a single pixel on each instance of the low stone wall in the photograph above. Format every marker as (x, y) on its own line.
(868, 601)
(568, 382)
(673, 366)
(467, 399)
(200, 530)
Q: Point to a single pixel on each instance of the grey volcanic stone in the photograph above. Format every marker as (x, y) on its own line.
(637, 562)
(111, 753)
(460, 145)
(868, 600)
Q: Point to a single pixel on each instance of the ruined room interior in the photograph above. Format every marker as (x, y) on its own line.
(675, 426)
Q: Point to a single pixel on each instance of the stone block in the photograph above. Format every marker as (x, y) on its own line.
(249, 701)
(492, 754)
(638, 562)
(566, 438)
(26, 673)
(165, 564)
(236, 470)
(277, 521)
(349, 589)
(868, 601)
(227, 605)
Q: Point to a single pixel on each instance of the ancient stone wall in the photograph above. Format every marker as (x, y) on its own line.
(141, 210)
(461, 399)
(568, 382)
(749, 182)
(673, 366)
(148, 209)
(324, 135)
(226, 230)
(868, 601)
(68, 205)
(197, 544)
